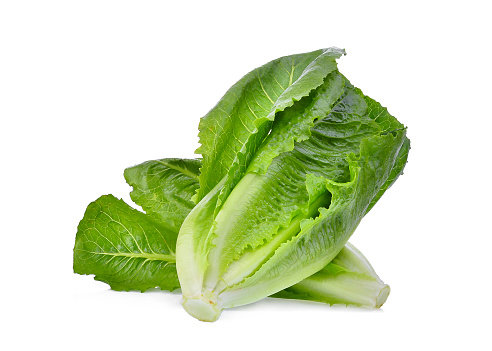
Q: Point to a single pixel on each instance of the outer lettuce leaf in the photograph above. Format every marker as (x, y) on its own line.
(292, 210)
(397, 170)
(124, 247)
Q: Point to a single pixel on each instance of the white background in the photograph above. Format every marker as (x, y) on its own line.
(88, 88)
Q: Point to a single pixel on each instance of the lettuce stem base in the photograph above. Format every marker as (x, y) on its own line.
(205, 307)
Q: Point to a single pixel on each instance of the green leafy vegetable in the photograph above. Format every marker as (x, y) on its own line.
(292, 161)
(294, 156)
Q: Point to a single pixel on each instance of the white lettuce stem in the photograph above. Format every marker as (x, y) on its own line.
(191, 246)
(204, 307)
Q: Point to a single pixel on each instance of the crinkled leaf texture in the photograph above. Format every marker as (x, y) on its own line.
(298, 181)
(106, 243)
(163, 188)
(235, 127)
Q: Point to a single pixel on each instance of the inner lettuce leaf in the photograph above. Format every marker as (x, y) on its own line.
(282, 190)
(130, 250)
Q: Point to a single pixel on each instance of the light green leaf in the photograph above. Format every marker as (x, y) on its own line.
(295, 123)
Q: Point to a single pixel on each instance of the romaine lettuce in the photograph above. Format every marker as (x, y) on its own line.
(293, 157)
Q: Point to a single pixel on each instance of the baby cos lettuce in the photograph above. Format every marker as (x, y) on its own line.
(293, 157)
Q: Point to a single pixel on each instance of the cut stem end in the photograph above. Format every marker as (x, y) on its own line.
(383, 295)
(204, 307)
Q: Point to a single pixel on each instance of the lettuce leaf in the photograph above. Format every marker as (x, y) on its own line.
(124, 247)
(163, 188)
